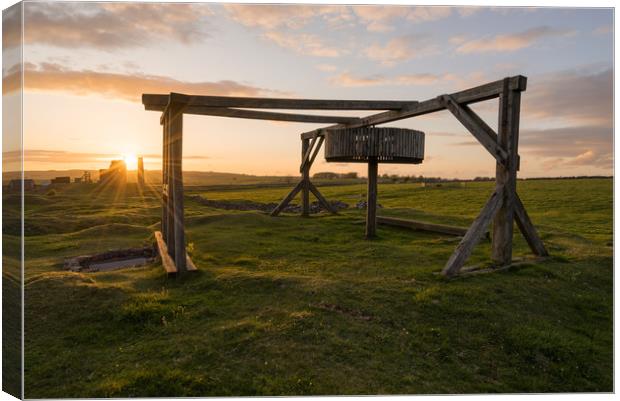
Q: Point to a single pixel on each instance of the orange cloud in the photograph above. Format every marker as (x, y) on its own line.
(511, 42)
(347, 80)
(110, 26)
(401, 48)
(271, 16)
(307, 44)
(54, 77)
(381, 18)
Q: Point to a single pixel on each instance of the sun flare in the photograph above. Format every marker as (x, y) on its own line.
(131, 161)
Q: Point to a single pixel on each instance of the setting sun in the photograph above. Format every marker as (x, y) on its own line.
(131, 161)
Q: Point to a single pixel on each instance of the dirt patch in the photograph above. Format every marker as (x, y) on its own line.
(111, 260)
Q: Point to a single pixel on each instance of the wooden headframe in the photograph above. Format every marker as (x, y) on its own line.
(503, 207)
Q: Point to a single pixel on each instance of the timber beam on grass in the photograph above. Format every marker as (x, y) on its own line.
(503, 208)
(425, 226)
(166, 261)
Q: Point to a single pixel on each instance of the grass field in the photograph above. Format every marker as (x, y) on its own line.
(292, 306)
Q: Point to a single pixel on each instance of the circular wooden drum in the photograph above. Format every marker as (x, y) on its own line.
(385, 145)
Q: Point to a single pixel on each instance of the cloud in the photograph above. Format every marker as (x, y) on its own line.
(306, 44)
(570, 146)
(376, 18)
(603, 30)
(111, 26)
(326, 67)
(270, 17)
(511, 42)
(578, 97)
(401, 48)
(381, 18)
(346, 79)
(66, 157)
(55, 77)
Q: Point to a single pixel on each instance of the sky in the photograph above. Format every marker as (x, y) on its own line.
(87, 64)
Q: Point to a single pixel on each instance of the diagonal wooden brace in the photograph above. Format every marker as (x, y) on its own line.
(310, 154)
(276, 211)
(527, 228)
(321, 198)
(478, 128)
(474, 234)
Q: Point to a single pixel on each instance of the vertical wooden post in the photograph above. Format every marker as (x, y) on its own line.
(169, 187)
(305, 190)
(506, 176)
(164, 181)
(371, 199)
(176, 151)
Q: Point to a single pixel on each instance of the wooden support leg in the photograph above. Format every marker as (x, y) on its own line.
(169, 191)
(474, 234)
(164, 180)
(305, 190)
(288, 199)
(506, 175)
(321, 199)
(371, 199)
(176, 148)
(528, 230)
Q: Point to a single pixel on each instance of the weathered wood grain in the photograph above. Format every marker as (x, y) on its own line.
(371, 199)
(266, 115)
(506, 174)
(527, 228)
(276, 211)
(176, 161)
(321, 198)
(159, 101)
(386, 144)
(424, 226)
(467, 96)
(477, 127)
(473, 235)
(166, 260)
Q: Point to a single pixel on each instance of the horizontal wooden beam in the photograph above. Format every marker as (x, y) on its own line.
(158, 101)
(424, 226)
(267, 115)
(478, 94)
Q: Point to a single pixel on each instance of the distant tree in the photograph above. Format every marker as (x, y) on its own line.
(351, 174)
(326, 175)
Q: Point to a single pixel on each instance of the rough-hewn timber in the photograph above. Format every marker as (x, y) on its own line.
(424, 226)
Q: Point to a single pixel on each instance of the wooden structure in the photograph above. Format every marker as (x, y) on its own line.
(503, 207)
(386, 145)
(374, 145)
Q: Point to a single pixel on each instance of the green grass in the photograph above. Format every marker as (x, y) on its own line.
(294, 306)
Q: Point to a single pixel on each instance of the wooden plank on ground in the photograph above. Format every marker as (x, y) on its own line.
(424, 226)
(166, 260)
